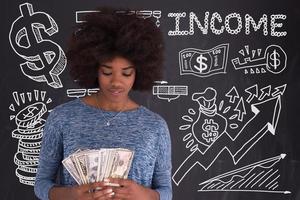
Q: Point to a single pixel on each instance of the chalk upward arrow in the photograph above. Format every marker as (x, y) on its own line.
(252, 91)
(272, 160)
(265, 119)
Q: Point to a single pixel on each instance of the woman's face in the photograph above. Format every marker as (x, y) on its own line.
(116, 78)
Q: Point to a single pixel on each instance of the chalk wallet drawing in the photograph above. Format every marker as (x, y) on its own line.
(273, 60)
(169, 92)
(45, 60)
(140, 13)
(203, 63)
(233, 126)
(30, 113)
(77, 93)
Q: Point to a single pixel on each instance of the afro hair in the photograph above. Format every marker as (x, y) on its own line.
(108, 33)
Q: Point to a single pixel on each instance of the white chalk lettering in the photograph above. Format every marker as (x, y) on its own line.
(249, 20)
(233, 24)
(275, 25)
(215, 16)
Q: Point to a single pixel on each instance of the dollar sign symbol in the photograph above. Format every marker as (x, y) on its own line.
(275, 59)
(30, 112)
(45, 59)
(211, 130)
(202, 65)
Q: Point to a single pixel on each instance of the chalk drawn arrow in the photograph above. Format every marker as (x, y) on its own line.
(259, 163)
(253, 92)
(265, 119)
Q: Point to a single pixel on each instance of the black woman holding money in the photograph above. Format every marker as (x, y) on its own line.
(117, 52)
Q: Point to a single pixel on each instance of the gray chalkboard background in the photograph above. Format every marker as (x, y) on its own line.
(230, 93)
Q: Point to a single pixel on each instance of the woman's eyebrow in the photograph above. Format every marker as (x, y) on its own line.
(129, 67)
(108, 66)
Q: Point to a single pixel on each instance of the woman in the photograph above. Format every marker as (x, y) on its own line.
(115, 51)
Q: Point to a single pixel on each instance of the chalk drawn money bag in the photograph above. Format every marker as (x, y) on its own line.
(209, 125)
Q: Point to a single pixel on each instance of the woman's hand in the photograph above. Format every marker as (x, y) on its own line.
(130, 190)
(100, 191)
(94, 191)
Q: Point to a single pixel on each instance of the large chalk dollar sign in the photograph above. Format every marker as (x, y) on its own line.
(45, 60)
(201, 63)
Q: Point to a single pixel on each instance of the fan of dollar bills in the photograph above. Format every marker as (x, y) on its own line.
(88, 166)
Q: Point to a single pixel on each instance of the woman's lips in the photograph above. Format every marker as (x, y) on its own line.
(115, 92)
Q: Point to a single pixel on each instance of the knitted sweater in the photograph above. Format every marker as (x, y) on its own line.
(76, 125)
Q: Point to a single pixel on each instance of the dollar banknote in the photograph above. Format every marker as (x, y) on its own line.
(93, 165)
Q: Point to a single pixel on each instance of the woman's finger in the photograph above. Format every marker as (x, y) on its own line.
(105, 193)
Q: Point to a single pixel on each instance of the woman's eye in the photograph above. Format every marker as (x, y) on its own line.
(106, 73)
(127, 74)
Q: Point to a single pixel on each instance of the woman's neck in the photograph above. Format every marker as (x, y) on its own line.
(103, 103)
(97, 102)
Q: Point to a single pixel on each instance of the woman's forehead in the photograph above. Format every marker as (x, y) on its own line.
(117, 62)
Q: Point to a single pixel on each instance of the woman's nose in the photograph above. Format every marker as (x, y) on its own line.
(115, 80)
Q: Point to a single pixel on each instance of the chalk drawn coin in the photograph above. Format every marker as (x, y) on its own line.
(38, 127)
(276, 59)
(30, 115)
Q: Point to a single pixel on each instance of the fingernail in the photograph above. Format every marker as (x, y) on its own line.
(98, 188)
(112, 184)
(109, 191)
(112, 194)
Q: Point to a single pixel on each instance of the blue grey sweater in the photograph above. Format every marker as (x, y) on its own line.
(76, 125)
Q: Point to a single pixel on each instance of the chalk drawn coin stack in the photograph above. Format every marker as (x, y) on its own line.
(29, 133)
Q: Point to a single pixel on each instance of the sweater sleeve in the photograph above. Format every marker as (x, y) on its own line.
(50, 157)
(162, 172)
